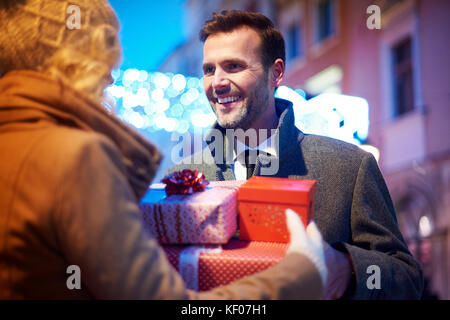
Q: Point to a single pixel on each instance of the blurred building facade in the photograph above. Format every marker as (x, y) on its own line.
(399, 62)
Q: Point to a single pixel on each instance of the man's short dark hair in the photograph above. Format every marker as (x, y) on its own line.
(272, 42)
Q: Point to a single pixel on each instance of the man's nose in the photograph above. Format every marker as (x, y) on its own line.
(220, 81)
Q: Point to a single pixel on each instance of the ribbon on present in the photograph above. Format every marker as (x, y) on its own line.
(188, 265)
(185, 182)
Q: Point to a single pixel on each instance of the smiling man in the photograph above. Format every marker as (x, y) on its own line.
(243, 64)
(238, 84)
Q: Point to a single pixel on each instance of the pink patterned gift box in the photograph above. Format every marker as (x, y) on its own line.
(207, 217)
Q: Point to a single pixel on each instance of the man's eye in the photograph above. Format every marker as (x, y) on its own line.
(208, 70)
(234, 67)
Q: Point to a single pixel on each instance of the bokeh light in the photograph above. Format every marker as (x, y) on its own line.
(155, 101)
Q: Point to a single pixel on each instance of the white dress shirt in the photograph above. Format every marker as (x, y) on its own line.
(239, 168)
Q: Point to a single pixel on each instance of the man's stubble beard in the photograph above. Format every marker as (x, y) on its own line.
(253, 108)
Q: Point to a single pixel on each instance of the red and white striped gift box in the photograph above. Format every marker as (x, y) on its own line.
(208, 266)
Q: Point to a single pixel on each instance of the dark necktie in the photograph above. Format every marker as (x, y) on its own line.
(250, 161)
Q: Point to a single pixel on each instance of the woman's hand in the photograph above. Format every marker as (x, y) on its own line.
(307, 242)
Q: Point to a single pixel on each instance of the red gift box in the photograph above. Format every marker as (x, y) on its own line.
(206, 267)
(262, 202)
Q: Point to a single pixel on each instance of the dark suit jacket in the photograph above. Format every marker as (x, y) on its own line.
(353, 208)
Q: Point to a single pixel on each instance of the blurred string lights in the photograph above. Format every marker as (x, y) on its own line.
(157, 101)
(160, 101)
(334, 115)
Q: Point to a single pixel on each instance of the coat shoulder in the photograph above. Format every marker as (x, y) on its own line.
(334, 157)
(330, 147)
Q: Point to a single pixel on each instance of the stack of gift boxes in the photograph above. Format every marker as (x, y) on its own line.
(228, 231)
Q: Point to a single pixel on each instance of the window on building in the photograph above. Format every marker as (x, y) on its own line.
(325, 10)
(294, 42)
(403, 77)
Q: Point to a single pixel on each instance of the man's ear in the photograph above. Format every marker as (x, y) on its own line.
(276, 73)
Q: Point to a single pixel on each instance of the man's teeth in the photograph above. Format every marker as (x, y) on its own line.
(228, 99)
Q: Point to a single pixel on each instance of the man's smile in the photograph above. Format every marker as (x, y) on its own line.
(229, 99)
(227, 102)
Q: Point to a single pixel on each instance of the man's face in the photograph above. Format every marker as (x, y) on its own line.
(235, 81)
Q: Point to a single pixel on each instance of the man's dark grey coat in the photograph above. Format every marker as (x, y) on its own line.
(353, 208)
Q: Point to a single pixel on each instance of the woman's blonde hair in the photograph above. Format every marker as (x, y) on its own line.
(36, 35)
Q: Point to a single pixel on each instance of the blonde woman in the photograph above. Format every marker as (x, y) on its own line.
(71, 173)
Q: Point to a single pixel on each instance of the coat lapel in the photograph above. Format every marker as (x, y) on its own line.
(288, 145)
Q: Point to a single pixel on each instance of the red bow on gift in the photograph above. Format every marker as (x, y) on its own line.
(185, 182)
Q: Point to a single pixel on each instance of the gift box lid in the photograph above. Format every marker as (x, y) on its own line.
(217, 191)
(277, 190)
